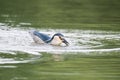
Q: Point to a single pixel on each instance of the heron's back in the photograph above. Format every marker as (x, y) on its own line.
(42, 36)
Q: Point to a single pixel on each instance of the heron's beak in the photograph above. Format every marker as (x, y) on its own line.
(65, 41)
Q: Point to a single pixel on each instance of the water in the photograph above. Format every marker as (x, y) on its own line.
(16, 39)
(91, 54)
(91, 27)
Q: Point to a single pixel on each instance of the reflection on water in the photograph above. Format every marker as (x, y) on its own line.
(63, 66)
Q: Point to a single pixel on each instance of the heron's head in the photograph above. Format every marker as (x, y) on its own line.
(61, 38)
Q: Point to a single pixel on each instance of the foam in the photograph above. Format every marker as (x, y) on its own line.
(17, 39)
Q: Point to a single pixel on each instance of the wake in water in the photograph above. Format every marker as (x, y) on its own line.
(17, 39)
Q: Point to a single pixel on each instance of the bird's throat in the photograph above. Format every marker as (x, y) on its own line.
(56, 41)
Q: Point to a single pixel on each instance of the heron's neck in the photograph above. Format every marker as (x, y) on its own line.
(56, 40)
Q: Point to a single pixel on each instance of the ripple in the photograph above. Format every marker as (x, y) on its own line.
(19, 57)
(17, 39)
(10, 66)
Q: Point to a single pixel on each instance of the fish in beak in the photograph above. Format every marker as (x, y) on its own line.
(64, 41)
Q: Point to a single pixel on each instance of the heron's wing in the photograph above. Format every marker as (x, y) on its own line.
(42, 36)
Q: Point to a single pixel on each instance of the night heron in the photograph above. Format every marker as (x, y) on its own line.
(41, 38)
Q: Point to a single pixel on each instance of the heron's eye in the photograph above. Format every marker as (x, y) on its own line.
(61, 38)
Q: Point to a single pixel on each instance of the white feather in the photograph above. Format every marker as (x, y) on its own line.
(56, 41)
(35, 38)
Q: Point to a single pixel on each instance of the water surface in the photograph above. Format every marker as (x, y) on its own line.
(90, 55)
(91, 27)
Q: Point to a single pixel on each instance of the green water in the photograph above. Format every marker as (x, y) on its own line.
(93, 66)
(62, 14)
(80, 14)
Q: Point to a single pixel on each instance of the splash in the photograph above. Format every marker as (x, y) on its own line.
(17, 39)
